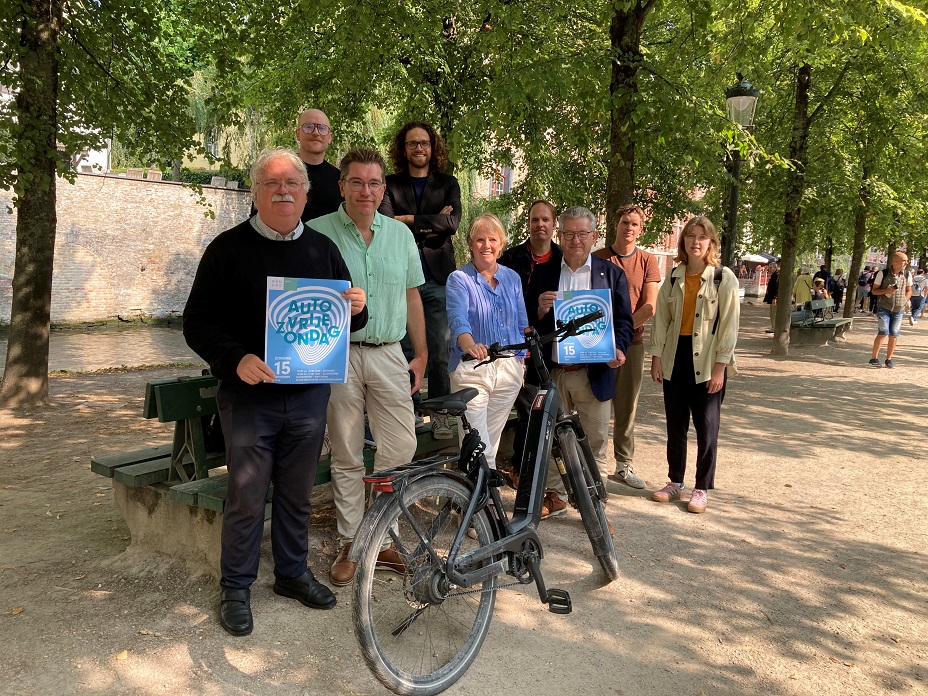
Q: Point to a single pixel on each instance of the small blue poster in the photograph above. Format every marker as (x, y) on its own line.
(306, 337)
(598, 344)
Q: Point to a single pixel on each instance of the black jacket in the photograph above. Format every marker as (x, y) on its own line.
(519, 258)
(440, 190)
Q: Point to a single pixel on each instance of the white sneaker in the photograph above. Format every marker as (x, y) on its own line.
(626, 474)
(911, 321)
(441, 428)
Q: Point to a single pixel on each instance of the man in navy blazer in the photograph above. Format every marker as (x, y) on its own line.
(587, 389)
(420, 194)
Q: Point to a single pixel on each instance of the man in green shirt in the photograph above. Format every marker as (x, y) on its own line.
(382, 258)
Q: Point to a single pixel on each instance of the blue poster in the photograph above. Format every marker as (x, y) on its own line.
(306, 337)
(596, 346)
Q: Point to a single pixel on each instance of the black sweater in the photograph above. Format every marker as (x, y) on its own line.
(225, 314)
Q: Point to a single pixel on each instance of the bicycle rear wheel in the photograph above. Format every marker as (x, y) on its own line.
(586, 495)
(419, 633)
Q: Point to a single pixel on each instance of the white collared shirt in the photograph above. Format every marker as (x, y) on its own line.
(581, 279)
(274, 235)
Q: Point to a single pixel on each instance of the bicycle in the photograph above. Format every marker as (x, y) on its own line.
(419, 635)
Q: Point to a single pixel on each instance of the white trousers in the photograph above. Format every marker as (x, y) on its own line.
(498, 384)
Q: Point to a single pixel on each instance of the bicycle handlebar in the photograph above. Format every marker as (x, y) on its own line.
(571, 328)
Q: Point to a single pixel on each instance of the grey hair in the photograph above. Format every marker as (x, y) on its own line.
(576, 212)
(265, 157)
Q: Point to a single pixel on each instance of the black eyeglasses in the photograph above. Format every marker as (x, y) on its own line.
(582, 236)
(418, 144)
(320, 127)
(357, 185)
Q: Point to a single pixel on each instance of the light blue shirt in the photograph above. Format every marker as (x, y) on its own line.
(489, 315)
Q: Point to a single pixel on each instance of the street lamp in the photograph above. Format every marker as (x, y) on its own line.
(740, 103)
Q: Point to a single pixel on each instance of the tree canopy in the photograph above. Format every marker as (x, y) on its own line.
(595, 103)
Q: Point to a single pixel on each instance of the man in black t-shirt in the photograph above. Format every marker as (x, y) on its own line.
(314, 134)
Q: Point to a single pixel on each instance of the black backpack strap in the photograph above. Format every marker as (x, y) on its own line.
(717, 280)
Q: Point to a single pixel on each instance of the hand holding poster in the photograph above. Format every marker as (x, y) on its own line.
(306, 337)
(598, 344)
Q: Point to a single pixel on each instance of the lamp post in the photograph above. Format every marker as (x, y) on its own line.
(740, 103)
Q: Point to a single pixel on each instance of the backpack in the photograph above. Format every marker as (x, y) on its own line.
(864, 280)
(716, 280)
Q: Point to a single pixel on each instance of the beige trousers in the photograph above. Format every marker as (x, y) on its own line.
(378, 382)
(577, 395)
(625, 404)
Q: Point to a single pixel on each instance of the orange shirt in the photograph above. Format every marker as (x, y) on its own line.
(690, 291)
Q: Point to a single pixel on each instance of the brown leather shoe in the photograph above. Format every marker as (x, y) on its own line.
(342, 571)
(552, 505)
(390, 559)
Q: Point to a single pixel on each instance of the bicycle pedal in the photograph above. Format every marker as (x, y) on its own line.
(559, 601)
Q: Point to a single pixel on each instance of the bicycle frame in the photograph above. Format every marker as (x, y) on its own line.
(515, 536)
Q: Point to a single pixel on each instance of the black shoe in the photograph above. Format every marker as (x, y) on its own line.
(307, 589)
(235, 611)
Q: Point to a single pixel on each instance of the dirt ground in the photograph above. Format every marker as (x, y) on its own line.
(807, 575)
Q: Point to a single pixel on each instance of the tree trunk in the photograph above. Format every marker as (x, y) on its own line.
(625, 39)
(25, 378)
(829, 252)
(860, 239)
(798, 155)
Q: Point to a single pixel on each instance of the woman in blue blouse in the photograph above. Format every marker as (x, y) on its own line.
(485, 306)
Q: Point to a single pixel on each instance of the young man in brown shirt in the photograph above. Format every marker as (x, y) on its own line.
(643, 276)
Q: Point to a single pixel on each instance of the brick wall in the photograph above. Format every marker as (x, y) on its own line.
(123, 246)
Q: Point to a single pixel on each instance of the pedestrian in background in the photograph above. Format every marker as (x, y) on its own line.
(836, 286)
(770, 297)
(917, 300)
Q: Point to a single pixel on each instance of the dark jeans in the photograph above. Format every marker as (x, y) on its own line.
(272, 435)
(917, 303)
(684, 398)
(437, 340)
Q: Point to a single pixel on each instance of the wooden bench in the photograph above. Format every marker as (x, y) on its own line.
(172, 496)
(818, 324)
(185, 466)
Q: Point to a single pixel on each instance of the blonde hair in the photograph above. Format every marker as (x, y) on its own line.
(712, 255)
(491, 221)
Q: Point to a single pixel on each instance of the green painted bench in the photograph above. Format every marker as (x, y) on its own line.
(818, 324)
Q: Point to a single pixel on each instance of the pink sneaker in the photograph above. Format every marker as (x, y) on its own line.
(698, 501)
(672, 491)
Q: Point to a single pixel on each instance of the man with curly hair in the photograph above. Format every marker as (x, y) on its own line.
(421, 194)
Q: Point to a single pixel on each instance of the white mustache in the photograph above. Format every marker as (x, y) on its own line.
(285, 197)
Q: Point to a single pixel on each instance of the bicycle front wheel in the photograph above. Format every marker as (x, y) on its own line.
(587, 497)
(419, 632)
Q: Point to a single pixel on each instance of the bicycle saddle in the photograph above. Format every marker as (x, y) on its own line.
(455, 403)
